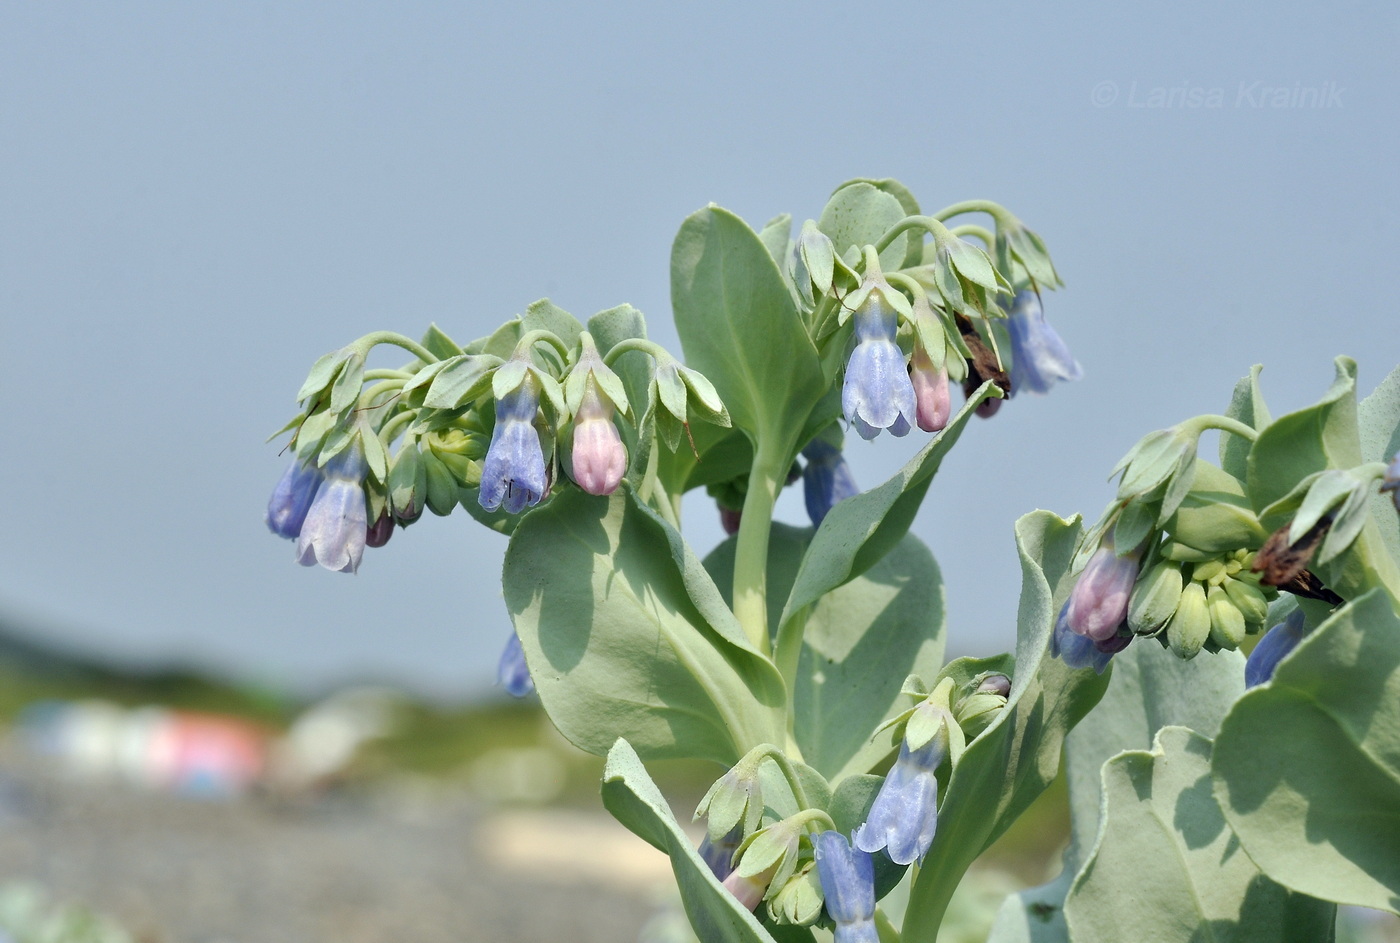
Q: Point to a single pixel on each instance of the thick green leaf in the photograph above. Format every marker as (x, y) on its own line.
(624, 640)
(545, 315)
(776, 236)
(1163, 831)
(860, 642)
(1307, 767)
(914, 253)
(1016, 757)
(633, 799)
(857, 215)
(862, 529)
(1379, 418)
(740, 328)
(1294, 446)
(1247, 405)
(1151, 688)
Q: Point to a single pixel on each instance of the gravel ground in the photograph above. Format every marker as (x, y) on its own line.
(412, 863)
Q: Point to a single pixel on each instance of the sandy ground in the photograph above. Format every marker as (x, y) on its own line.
(411, 864)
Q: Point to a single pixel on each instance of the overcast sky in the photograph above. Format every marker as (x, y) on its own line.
(197, 200)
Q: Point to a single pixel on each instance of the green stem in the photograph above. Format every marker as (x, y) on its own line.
(980, 232)
(787, 656)
(904, 281)
(397, 340)
(384, 386)
(388, 375)
(391, 428)
(995, 210)
(751, 553)
(789, 772)
(1224, 424)
(531, 338)
(886, 930)
(653, 350)
(928, 224)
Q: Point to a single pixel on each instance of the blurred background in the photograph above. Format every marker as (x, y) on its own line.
(197, 200)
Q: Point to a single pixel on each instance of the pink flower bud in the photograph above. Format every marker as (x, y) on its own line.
(930, 392)
(599, 457)
(1098, 603)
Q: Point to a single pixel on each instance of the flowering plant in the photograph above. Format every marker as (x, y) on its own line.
(862, 774)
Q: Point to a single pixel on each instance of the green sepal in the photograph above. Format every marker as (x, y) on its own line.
(1215, 515)
(324, 372)
(589, 367)
(818, 256)
(439, 344)
(799, 901)
(408, 481)
(461, 380)
(345, 390)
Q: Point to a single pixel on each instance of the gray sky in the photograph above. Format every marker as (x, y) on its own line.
(197, 200)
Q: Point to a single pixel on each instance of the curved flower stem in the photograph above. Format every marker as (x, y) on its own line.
(397, 340)
(1224, 424)
(971, 229)
(814, 820)
(788, 770)
(381, 374)
(998, 212)
(384, 386)
(651, 349)
(531, 338)
(928, 224)
(394, 424)
(766, 476)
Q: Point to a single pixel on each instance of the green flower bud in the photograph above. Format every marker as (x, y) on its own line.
(408, 483)
(1226, 621)
(1249, 599)
(1180, 552)
(1155, 598)
(1211, 572)
(1190, 626)
(442, 487)
(735, 800)
(799, 900)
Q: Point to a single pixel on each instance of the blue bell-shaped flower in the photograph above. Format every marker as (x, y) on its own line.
(848, 883)
(336, 524)
(1038, 356)
(513, 475)
(877, 393)
(291, 499)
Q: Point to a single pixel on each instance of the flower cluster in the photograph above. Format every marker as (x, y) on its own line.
(471, 425)
(913, 332)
